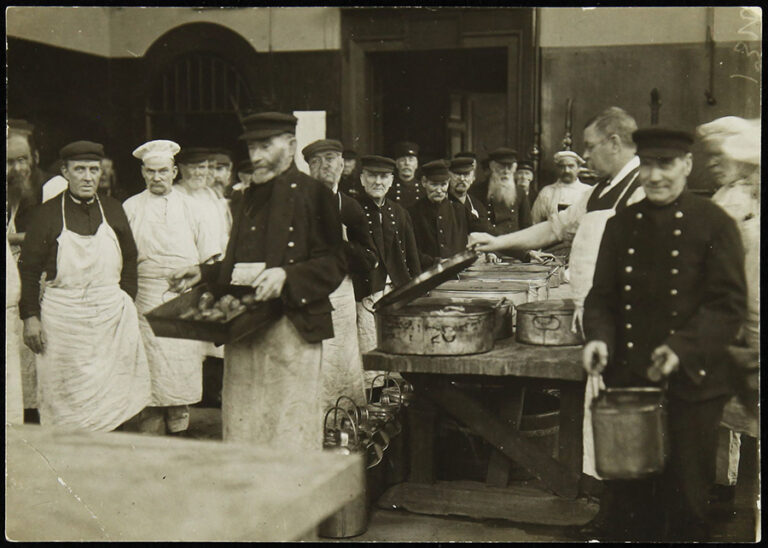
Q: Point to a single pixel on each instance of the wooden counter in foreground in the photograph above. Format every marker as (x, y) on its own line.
(119, 486)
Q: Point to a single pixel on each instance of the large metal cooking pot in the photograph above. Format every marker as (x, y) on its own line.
(630, 431)
(435, 330)
(547, 323)
(517, 292)
(503, 310)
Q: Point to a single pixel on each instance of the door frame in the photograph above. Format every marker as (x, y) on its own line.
(516, 31)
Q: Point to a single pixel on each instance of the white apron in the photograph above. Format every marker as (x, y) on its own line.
(581, 268)
(342, 368)
(14, 399)
(366, 328)
(271, 387)
(175, 365)
(93, 374)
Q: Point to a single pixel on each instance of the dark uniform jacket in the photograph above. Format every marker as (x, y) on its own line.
(476, 208)
(668, 275)
(442, 229)
(40, 248)
(405, 194)
(504, 219)
(350, 184)
(27, 204)
(392, 232)
(300, 231)
(359, 249)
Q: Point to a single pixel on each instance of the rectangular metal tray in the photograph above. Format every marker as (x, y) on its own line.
(165, 322)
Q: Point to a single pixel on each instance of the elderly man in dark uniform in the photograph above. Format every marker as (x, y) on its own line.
(441, 225)
(669, 293)
(287, 243)
(342, 368)
(508, 207)
(462, 170)
(405, 188)
(524, 175)
(92, 370)
(392, 231)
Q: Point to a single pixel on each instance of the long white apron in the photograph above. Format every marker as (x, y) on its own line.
(581, 267)
(175, 365)
(342, 368)
(93, 374)
(14, 399)
(366, 329)
(271, 390)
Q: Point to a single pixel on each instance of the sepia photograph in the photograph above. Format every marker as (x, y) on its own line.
(383, 274)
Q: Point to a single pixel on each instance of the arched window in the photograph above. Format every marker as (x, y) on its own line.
(199, 83)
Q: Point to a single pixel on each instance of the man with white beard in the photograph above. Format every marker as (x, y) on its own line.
(342, 364)
(508, 209)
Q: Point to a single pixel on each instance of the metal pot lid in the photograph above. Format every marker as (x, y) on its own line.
(551, 305)
(519, 267)
(429, 279)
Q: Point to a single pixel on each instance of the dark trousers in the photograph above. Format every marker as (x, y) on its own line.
(672, 506)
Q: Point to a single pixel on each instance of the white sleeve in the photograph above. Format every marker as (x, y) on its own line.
(206, 240)
(565, 223)
(541, 207)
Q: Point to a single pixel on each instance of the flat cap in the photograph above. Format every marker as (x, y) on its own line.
(563, 154)
(159, 148)
(16, 125)
(465, 154)
(82, 150)
(321, 145)
(193, 155)
(659, 142)
(377, 164)
(267, 124)
(503, 154)
(219, 156)
(525, 165)
(436, 171)
(463, 164)
(405, 148)
(245, 166)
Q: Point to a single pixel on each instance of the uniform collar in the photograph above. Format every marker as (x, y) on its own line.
(79, 201)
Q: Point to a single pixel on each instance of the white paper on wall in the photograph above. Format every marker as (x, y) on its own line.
(310, 127)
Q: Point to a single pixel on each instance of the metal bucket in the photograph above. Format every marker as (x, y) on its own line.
(630, 432)
(350, 521)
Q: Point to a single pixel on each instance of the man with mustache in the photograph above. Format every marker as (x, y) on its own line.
(342, 368)
(391, 228)
(668, 292)
(565, 191)
(91, 366)
(170, 233)
(524, 175)
(286, 243)
(405, 188)
(441, 225)
(508, 209)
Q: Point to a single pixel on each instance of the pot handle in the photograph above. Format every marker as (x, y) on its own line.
(352, 422)
(447, 338)
(355, 408)
(544, 323)
(503, 302)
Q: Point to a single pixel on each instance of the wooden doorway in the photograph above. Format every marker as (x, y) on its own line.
(396, 62)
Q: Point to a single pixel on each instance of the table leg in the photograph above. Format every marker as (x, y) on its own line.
(422, 418)
(561, 481)
(510, 413)
(570, 450)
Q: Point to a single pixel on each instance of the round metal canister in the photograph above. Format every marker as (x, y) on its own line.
(630, 432)
(435, 330)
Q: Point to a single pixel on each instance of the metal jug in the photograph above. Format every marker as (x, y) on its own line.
(368, 437)
(630, 432)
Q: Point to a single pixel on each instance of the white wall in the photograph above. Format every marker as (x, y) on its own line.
(583, 27)
(129, 32)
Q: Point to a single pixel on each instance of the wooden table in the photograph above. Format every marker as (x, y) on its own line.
(118, 486)
(555, 498)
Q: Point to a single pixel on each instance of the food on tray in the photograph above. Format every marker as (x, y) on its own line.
(222, 310)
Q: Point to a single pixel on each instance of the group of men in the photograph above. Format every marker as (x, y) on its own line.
(657, 274)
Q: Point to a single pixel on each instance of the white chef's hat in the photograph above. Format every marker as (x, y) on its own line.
(157, 149)
(736, 138)
(563, 154)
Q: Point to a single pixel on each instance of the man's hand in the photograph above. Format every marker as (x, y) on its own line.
(483, 241)
(541, 257)
(33, 335)
(269, 284)
(595, 357)
(665, 360)
(184, 278)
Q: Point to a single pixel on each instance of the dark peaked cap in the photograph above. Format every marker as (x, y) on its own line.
(268, 124)
(436, 171)
(321, 145)
(82, 150)
(658, 142)
(463, 164)
(377, 164)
